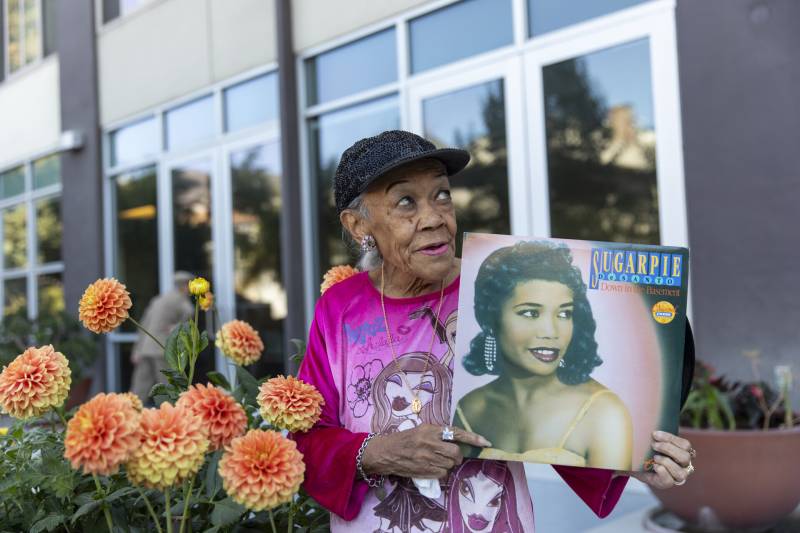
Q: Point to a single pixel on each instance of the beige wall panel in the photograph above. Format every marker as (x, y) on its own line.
(30, 114)
(242, 36)
(155, 55)
(317, 21)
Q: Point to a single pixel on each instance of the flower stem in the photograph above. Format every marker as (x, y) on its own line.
(272, 521)
(150, 509)
(60, 412)
(109, 522)
(169, 510)
(135, 323)
(187, 495)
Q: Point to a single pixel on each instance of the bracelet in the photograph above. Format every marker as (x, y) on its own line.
(373, 480)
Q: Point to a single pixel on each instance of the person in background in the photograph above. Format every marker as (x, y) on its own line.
(162, 314)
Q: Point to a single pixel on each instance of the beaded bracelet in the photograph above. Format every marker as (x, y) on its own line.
(373, 480)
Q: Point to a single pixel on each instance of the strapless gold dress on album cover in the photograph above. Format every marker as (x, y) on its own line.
(569, 352)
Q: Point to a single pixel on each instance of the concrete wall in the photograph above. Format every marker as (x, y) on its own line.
(740, 72)
(29, 112)
(317, 21)
(169, 49)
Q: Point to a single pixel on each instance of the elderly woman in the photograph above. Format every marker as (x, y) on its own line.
(380, 353)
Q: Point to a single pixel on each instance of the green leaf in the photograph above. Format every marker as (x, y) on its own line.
(218, 379)
(85, 509)
(213, 481)
(48, 523)
(300, 350)
(171, 348)
(249, 384)
(226, 512)
(120, 493)
(203, 341)
(160, 389)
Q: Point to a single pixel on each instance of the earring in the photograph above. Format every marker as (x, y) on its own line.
(562, 363)
(489, 352)
(368, 244)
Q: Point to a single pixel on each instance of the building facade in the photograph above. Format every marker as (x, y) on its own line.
(139, 137)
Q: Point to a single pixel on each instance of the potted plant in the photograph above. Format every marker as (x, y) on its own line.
(59, 329)
(747, 437)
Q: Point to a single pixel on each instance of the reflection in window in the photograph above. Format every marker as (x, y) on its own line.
(601, 150)
(33, 39)
(14, 296)
(549, 15)
(46, 171)
(474, 119)
(12, 182)
(191, 215)
(363, 64)
(15, 241)
(260, 295)
(251, 102)
(51, 294)
(331, 134)
(136, 239)
(13, 16)
(134, 142)
(190, 124)
(48, 230)
(460, 30)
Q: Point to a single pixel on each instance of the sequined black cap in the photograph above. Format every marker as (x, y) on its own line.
(372, 157)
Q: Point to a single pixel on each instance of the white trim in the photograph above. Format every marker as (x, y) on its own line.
(25, 66)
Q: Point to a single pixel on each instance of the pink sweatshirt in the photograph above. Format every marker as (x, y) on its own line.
(348, 359)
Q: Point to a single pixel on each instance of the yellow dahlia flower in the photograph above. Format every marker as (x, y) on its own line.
(240, 342)
(199, 286)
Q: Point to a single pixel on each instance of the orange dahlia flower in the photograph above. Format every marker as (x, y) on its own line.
(261, 469)
(290, 403)
(334, 275)
(172, 446)
(223, 417)
(102, 434)
(135, 401)
(240, 342)
(104, 305)
(36, 381)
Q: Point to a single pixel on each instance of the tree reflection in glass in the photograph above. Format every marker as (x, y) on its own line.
(15, 241)
(260, 295)
(48, 230)
(474, 119)
(601, 152)
(137, 237)
(15, 296)
(50, 294)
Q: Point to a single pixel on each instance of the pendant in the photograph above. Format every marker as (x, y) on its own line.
(416, 406)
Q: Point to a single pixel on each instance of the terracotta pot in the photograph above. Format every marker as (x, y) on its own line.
(744, 479)
(78, 392)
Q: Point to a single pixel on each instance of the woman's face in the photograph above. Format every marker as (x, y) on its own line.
(412, 218)
(536, 326)
(479, 499)
(400, 398)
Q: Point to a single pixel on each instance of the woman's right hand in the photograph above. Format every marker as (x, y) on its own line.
(418, 452)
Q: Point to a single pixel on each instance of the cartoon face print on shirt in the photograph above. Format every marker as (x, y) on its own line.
(481, 499)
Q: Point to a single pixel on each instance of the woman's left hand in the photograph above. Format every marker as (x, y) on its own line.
(672, 462)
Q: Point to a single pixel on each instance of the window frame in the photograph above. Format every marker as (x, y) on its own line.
(29, 198)
(25, 66)
(659, 18)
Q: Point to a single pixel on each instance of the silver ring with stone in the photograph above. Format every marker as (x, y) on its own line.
(448, 434)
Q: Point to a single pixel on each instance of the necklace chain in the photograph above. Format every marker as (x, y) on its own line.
(416, 405)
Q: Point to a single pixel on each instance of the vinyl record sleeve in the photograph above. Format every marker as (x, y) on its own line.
(569, 352)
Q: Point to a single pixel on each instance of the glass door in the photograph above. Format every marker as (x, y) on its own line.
(472, 110)
(605, 138)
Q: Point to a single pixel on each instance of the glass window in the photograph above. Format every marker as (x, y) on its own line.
(136, 239)
(458, 31)
(48, 230)
(601, 149)
(12, 182)
(252, 102)
(50, 294)
(134, 142)
(2, 42)
(33, 39)
(114, 8)
(14, 12)
(15, 296)
(549, 15)
(474, 119)
(46, 171)
(331, 134)
(15, 238)
(191, 213)
(260, 294)
(190, 123)
(49, 23)
(363, 64)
